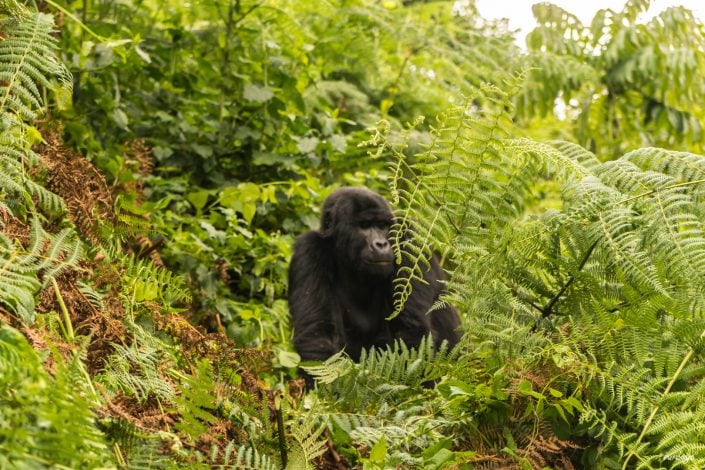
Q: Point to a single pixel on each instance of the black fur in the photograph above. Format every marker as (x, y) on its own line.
(340, 284)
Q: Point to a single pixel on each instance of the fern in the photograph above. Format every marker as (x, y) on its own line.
(380, 396)
(381, 374)
(28, 63)
(607, 286)
(27, 60)
(304, 438)
(145, 281)
(139, 370)
(90, 294)
(45, 420)
(331, 369)
(196, 403)
(23, 271)
(249, 458)
(15, 157)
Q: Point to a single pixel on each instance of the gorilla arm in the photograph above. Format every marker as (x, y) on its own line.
(416, 320)
(312, 305)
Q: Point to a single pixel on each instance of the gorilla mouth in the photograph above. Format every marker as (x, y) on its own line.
(380, 262)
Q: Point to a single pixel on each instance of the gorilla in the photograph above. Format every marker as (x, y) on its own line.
(340, 284)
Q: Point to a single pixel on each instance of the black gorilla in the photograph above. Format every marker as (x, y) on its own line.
(340, 284)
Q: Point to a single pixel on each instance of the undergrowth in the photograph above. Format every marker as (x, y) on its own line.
(580, 283)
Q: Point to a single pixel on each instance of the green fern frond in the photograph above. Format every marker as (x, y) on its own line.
(95, 298)
(625, 442)
(196, 402)
(15, 182)
(140, 451)
(63, 250)
(46, 418)
(687, 169)
(15, 158)
(249, 458)
(465, 156)
(607, 285)
(139, 370)
(22, 268)
(145, 281)
(18, 280)
(575, 152)
(381, 374)
(406, 430)
(304, 439)
(27, 61)
(331, 369)
(671, 226)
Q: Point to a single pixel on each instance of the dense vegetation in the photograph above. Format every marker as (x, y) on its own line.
(158, 158)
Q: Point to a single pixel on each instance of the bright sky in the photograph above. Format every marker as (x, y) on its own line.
(520, 16)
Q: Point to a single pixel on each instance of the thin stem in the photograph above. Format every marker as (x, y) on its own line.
(648, 193)
(77, 20)
(281, 436)
(64, 311)
(549, 307)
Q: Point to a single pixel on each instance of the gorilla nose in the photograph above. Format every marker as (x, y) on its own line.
(381, 246)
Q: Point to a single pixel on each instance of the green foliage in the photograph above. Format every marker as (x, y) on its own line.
(259, 107)
(195, 402)
(384, 398)
(27, 61)
(237, 267)
(139, 370)
(624, 83)
(250, 458)
(22, 268)
(305, 443)
(145, 282)
(607, 289)
(46, 420)
(579, 282)
(367, 383)
(19, 193)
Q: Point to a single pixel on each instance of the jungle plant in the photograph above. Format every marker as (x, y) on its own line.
(622, 82)
(606, 287)
(27, 64)
(580, 282)
(46, 420)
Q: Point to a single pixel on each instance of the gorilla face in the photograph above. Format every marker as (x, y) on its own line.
(371, 240)
(359, 222)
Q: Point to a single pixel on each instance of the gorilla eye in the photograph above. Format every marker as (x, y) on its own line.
(365, 224)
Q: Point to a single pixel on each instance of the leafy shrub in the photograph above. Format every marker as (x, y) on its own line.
(46, 420)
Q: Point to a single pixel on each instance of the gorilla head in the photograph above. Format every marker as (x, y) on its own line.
(358, 220)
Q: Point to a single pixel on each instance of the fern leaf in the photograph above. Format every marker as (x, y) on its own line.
(249, 458)
(27, 60)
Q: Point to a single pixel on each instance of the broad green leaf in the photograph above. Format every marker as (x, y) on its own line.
(378, 453)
